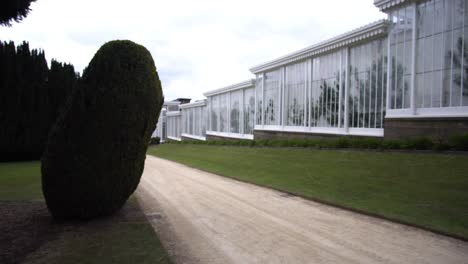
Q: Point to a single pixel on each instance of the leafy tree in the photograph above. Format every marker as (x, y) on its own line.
(14, 10)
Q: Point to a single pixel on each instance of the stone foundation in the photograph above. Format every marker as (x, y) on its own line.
(212, 138)
(267, 134)
(438, 129)
(189, 139)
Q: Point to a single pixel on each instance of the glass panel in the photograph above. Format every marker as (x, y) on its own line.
(325, 90)
(271, 96)
(214, 113)
(401, 54)
(223, 112)
(235, 109)
(259, 96)
(440, 74)
(249, 110)
(368, 69)
(295, 94)
(204, 123)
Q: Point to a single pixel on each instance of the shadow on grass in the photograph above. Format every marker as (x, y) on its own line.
(24, 227)
(29, 235)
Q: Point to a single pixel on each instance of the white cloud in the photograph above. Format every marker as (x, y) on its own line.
(197, 45)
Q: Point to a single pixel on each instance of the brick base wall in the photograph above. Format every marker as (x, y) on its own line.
(189, 139)
(438, 129)
(267, 134)
(211, 138)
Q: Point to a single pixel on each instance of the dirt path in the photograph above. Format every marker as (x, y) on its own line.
(205, 218)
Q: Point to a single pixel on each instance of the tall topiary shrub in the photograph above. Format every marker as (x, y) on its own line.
(96, 151)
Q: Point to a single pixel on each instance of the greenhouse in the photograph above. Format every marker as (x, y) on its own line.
(405, 76)
(161, 130)
(174, 125)
(194, 120)
(334, 87)
(232, 111)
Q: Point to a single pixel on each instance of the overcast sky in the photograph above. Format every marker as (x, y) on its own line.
(197, 45)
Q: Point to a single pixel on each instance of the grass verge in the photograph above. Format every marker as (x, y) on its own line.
(126, 237)
(427, 190)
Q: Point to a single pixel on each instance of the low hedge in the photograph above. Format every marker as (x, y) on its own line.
(155, 141)
(459, 143)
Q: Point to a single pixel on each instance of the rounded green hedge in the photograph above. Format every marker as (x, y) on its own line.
(96, 150)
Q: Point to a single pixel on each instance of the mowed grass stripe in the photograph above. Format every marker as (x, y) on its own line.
(428, 190)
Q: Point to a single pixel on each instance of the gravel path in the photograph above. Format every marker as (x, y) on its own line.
(204, 218)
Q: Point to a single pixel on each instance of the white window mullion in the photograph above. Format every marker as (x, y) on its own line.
(404, 43)
(346, 91)
(370, 53)
(278, 98)
(389, 66)
(340, 97)
(451, 57)
(382, 88)
(256, 104)
(413, 60)
(376, 58)
(209, 113)
(218, 114)
(229, 112)
(310, 70)
(263, 100)
(433, 84)
(441, 104)
(462, 55)
(283, 94)
(241, 114)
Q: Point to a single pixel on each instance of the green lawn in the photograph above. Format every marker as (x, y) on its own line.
(20, 181)
(124, 238)
(429, 190)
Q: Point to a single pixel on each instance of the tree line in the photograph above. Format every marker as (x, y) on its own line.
(31, 96)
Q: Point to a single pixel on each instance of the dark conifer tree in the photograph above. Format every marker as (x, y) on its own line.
(14, 10)
(30, 99)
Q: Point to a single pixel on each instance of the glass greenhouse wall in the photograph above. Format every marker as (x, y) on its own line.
(160, 130)
(161, 127)
(232, 111)
(337, 90)
(194, 120)
(428, 51)
(174, 125)
(367, 85)
(413, 64)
